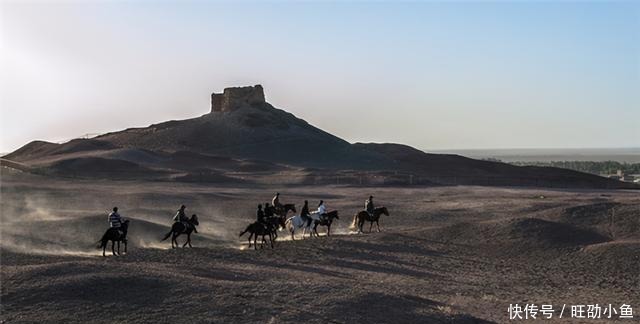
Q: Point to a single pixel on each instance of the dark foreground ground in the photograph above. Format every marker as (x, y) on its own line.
(445, 255)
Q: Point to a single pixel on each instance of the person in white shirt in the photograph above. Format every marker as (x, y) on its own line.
(322, 209)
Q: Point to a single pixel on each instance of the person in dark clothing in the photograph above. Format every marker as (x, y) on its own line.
(181, 217)
(368, 205)
(268, 210)
(304, 213)
(260, 214)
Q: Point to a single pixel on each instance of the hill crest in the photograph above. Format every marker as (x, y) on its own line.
(242, 126)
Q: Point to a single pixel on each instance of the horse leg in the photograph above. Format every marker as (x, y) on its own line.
(118, 247)
(255, 242)
(104, 247)
(370, 226)
(329, 229)
(125, 245)
(188, 241)
(378, 225)
(113, 249)
(292, 237)
(174, 240)
(315, 229)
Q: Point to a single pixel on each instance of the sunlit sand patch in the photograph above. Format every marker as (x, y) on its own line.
(51, 251)
(285, 236)
(154, 245)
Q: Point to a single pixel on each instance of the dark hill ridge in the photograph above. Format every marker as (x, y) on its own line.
(244, 133)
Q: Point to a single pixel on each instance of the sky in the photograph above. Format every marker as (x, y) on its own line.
(434, 75)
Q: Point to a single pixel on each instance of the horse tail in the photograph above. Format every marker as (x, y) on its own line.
(355, 220)
(101, 242)
(168, 234)
(246, 230)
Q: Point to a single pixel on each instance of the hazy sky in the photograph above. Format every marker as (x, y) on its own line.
(433, 75)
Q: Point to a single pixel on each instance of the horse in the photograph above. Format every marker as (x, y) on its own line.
(325, 221)
(275, 223)
(362, 216)
(283, 210)
(259, 229)
(180, 228)
(113, 234)
(298, 222)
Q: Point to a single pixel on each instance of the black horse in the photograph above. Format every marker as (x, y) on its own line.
(182, 228)
(326, 220)
(362, 216)
(115, 235)
(283, 210)
(259, 229)
(275, 223)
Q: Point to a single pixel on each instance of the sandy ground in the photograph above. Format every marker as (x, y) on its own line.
(445, 255)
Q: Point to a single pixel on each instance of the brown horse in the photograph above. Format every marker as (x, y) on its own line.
(363, 216)
(181, 228)
(325, 221)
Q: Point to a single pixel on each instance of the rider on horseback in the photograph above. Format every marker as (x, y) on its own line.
(181, 217)
(304, 214)
(115, 221)
(260, 215)
(276, 201)
(268, 210)
(368, 205)
(322, 210)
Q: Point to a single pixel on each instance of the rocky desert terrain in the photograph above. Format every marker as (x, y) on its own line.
(446, 254)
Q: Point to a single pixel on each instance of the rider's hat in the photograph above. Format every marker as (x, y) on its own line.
(115, 209)
(183, 207)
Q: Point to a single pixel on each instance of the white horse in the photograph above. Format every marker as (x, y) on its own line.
(298, 222)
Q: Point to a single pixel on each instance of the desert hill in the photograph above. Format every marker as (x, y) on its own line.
(244, 137)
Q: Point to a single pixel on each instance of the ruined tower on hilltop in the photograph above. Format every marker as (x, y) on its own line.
(233, 98)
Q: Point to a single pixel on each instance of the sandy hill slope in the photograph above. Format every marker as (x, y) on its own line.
(244, 133)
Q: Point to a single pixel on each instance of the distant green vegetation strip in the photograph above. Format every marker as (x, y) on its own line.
(603, 167)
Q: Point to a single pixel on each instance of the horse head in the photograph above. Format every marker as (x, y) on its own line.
(291, 207)
(384, 210)
(333, 214)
